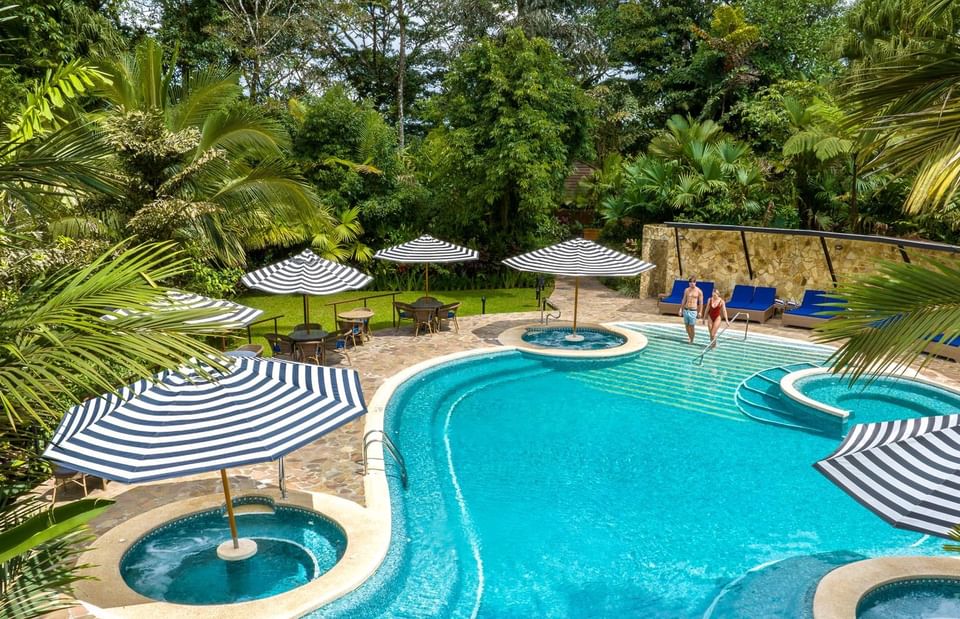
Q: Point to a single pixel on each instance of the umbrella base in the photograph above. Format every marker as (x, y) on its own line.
(574, 337)
(247, 548)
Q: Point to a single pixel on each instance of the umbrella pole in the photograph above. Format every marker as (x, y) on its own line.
(230, 516)
(306, 310)
(426, 280)
(576, 301)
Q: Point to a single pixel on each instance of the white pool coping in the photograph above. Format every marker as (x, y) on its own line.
(789, 389)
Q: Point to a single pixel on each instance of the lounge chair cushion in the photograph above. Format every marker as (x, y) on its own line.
(741, 297)
(763, 298)
(706, 288)
(676, 295)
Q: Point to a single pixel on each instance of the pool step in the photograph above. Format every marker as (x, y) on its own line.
(780, 590)
(759, 398)
(251, 508)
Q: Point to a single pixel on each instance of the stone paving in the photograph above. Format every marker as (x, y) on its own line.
(333, 464)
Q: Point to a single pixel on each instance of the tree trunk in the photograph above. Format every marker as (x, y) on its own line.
(853, 215)
(402, 69)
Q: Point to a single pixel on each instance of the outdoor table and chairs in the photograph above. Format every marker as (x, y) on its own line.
(358, 319)
(308, 344)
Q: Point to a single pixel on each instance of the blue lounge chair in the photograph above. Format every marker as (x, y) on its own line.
(948, 350)
(671, 304)
(757, 304)
(811, 311)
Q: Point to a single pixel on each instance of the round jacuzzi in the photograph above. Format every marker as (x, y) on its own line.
(920, 598)
(883, 398)
(177, 562)
(590, 338)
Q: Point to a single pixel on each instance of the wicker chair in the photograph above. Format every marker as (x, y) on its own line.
(448, 312)
(311, 352)
(256, 349)
(423, 317)
(282, 346)
(63, 476)
(404, 312)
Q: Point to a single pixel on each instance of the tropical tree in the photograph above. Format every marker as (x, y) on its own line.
(507, 126)
(201, 167)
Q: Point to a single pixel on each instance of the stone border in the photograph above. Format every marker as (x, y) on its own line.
(365, 536)
(635, 342)
(840, 591)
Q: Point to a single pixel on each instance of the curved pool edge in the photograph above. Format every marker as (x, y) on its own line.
(634, 342)
(894, 371)
(788, 388)
(839, 593)
(110, 592)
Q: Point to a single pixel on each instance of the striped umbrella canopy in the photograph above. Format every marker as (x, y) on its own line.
(181, 424)
(234, 315)
(306, 274)
(578, 258)
(905, 471)
(427, 249)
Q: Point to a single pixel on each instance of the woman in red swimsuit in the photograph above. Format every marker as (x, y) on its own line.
(715, 309)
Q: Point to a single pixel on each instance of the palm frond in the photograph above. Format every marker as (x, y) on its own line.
(890, 317)
(242, 130)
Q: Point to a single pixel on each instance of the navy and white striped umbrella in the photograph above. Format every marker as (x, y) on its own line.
(234, 315)
(905, 471)
(427, 249)
(579, 258)
(175, 425)
(306, 274)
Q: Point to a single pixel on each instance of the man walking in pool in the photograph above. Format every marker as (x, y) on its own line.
(691, 307)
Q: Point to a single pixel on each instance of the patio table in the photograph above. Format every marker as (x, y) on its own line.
(310, 336)
(360, 316)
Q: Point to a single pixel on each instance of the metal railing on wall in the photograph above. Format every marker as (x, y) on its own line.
(256, 322)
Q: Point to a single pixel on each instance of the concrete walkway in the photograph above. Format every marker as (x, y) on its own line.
(333, 464)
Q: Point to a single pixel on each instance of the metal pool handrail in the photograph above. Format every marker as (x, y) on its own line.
(390, 447)
(709, 347)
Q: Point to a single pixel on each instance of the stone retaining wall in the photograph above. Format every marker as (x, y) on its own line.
(790, 263)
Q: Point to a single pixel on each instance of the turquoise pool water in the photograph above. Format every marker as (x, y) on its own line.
(623, 488)
(881, 399)
(923, 598)
(555, 337)
(178, 561)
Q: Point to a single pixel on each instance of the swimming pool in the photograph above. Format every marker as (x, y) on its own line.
(572, 488)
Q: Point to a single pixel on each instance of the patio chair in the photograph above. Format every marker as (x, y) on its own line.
(63, 476)
(256, 349)
(311, 352)
(423, 317)
(814, 308)
(448, 312)
(282, 346)
(347, 333)
(757, 303)
(404, 312)
(947, 350)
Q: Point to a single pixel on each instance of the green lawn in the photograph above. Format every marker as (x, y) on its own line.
(290, 307)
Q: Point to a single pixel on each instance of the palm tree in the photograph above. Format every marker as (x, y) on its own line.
(203, 168)
(55, 350)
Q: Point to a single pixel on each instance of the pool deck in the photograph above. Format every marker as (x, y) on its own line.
(333, 464)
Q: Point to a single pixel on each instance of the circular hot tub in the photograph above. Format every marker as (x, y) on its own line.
(177, 561)
(588, 338)
(919, 598)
